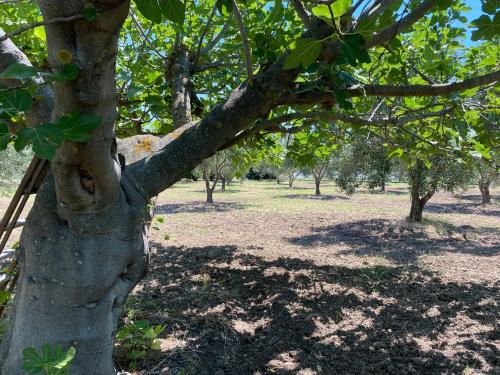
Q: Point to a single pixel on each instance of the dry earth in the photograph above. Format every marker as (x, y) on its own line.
(271, 280)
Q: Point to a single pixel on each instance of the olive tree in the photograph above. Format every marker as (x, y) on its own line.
(167, 77)
(361, 159)
(487, 174)
(440, 172)
(212, 170)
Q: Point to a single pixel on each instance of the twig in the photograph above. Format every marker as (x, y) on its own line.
(244, 39)
(202, 36)
(33, 25)
(145, 37)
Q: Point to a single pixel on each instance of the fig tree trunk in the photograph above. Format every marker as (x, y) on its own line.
(83, 247)
(416, 211)
(75, 275)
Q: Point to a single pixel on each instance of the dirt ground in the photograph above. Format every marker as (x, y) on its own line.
(272, 280)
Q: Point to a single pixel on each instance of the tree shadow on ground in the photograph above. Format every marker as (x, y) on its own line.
(401, 243)
(477, 198)
(198, 207)
(312, 196)
(238, 313)
(396, 192)
(462, 208)
(229, 190)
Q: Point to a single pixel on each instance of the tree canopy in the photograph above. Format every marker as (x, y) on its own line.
(124, 99)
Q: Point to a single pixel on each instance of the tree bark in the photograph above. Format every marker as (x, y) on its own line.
(415, 212)
(83, 247)
(181, 111)
(223, 184)
(317, 183)
(74, 278)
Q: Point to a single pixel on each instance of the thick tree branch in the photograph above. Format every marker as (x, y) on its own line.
(404, 24)
(319, 96)
(332, 49)
(423, 90)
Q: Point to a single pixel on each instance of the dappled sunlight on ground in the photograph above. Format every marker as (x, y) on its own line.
(271, 280)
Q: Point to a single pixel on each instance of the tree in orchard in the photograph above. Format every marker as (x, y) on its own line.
(440, 173)
(211, 171)
(487, 174)
(290, 170)
(360, 159)
(167, 77)
(312, 149)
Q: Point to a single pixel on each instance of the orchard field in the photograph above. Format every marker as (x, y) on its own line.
(272, 280)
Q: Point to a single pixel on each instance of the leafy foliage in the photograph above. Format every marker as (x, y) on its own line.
(137, 337)
(46, 138)
(159, 10)
(50, 361)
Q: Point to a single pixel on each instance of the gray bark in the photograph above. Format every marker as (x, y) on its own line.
(83, 246)
(74, 279)
(181, 111)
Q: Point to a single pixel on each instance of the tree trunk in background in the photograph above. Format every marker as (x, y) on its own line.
(210, 198)
(317, 183)
(223, 184)
(382, 185)
(208, 189)
(415, 212)
(484, 187)
(181, 111)
(418, 203)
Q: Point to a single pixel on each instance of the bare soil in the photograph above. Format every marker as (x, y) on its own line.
(272, 280)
